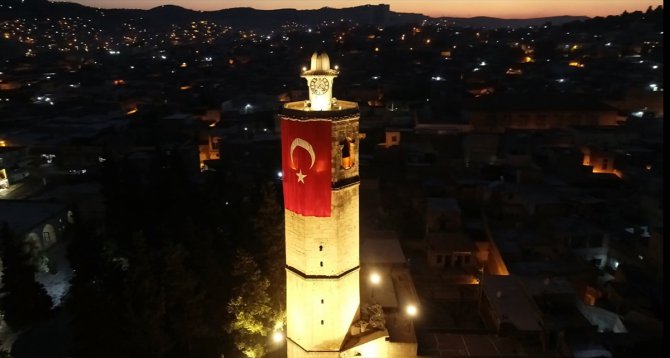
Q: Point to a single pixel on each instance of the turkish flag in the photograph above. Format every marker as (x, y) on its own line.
(305, 147)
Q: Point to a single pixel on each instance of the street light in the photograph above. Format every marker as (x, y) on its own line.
(481, 287)
(277, 337)
(375, 279)
(411, 311)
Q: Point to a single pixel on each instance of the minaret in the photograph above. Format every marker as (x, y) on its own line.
(321, 186)
(320, 82)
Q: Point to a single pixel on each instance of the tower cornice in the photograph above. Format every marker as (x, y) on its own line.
(321, 277)
(341, 110)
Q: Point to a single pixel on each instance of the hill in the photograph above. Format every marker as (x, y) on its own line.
(249, 18)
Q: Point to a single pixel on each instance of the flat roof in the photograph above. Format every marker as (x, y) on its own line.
(508, 297)
(5, 150)
(558, 267)
(443, 204)
(382, 251)
(450, 242)
(576, 225)
(553, 285)
(537, 102)
(467, 345)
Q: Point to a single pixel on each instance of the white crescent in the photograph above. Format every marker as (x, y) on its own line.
(299, 142)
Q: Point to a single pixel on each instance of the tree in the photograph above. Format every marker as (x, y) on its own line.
(166, 259)
(376, 316)
(269, 229)
(210, 258)
(155, 277)
(145, 303)
(187, 316)
(94, 299)
(253, 318)
(25, 301)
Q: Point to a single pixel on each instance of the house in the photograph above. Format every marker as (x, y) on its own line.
(40, 224)
(450, 250)
(584, 238)
(498, 113)
(12, 163)
(442, 214)
(509, 309)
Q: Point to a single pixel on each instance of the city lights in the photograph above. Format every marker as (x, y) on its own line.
(364, 181)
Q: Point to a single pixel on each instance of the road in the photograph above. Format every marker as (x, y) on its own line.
(23, 189)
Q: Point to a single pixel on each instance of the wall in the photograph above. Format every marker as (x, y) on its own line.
(333, 241)
(321, 310)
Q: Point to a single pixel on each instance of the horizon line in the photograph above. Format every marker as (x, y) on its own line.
(502, 17)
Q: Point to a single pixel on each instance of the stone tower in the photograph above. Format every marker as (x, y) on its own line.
(321, 187)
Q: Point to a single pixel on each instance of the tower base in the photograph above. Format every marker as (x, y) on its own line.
(373, 344)
(293, 350)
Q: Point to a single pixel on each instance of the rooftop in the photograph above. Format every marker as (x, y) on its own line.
(448, 204)
(450, 242)
(468, 345)
(512, 303)
(24, 215)
(382, 251)
(5, 150)
(552, 102)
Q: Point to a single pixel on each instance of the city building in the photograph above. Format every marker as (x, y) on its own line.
(39, 224)
(502, 112)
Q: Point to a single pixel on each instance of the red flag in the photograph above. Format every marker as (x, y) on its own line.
(306, 165)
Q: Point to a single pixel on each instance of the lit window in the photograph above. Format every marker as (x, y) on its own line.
(347, 150)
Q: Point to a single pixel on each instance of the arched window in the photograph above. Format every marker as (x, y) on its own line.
(348, 153)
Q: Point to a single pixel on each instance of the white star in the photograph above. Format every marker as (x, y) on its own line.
(301, 177)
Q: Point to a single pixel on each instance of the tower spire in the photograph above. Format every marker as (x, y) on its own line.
(320, 81)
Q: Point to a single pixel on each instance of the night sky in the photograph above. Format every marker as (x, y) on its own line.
(457, 8)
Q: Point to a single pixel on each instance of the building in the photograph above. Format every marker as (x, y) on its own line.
(447, 246)
(584, 238)
(320, 137)
(499, 113)
(510, 310)
(4, 182)
(13, 161)
(39, 224)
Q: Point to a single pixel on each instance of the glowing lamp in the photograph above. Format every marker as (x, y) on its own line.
(277, 337)
(411, 310)
(375, 278)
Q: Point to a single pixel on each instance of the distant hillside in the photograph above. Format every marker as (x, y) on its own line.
(367, 14)
(493, 22)
(243, 18)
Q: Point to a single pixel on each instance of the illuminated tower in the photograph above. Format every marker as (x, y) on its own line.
(321, 185)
